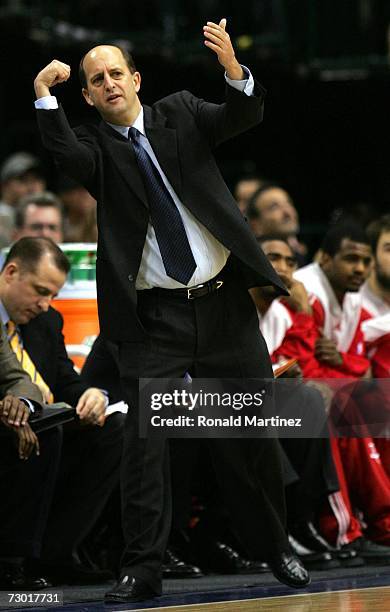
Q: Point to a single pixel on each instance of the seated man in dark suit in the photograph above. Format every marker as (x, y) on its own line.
(26, 469)
(33, 273)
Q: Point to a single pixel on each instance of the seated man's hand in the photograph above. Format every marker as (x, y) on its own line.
(326, 351)
(27, 442)
(299, 297)
(14, 412)
(91, 407)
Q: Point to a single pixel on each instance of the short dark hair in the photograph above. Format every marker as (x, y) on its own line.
(126, 55)
(252, 212)
(270, 237)
(46, 199)
(333, 238)
(376, 229)
(29, 251)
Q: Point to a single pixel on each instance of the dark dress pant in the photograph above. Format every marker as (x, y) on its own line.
(26, 493)
(87, 475)
(215, 336)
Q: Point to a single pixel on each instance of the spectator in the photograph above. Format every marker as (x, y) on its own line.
(78, 207)
(38, 215)
(272, 211)
(244, 189)
(33, 273)
(21, 174)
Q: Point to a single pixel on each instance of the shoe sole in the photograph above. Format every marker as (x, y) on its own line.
(302, 585)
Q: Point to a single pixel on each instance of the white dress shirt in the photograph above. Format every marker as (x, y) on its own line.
(209, 254)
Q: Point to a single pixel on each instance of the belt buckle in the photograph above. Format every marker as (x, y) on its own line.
(191, 289)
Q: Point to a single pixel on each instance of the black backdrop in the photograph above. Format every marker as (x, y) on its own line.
(325, 138)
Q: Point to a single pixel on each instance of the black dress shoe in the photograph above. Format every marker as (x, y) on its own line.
(14, 576)
(308, 536)
(174, 567)
(218, 557)
(348, 557)
(370, 552)
(287, 568)
(130, 589)
(313, 560)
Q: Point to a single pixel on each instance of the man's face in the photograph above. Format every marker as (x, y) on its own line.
(282, 260)
(277, 214)
(349, 267)
(42, 221)
(25, 295)
(111, 87)
(243, 192)
(382, 261)
(16, 188)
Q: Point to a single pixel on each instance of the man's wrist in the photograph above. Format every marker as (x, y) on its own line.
(41, 89)
(235, 72)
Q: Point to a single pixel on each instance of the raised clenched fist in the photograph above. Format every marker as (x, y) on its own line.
(54, 73)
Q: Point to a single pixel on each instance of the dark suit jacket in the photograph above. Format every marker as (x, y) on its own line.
(44, 342)
(13, 379)
(182, 130)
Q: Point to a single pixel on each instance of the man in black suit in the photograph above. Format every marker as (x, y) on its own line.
(175, 260)
(88, 466)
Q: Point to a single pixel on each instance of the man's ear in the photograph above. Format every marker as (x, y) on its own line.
(87, 97)
(137, 81)
(325, 260)
(11, 271)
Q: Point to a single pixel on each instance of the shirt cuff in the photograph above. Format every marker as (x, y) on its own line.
(106, 396)
(47, 103)
(246, 85)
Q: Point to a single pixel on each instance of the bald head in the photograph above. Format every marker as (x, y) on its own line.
(125, 54)
(111, 84)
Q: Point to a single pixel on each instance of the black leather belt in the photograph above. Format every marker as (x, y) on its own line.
(192, 293)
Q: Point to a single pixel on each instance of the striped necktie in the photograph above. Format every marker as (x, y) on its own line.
(175, 249)
(26, 362)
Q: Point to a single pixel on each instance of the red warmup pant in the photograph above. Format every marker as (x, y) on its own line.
(364, 482)
(383, 446)
(365, 486)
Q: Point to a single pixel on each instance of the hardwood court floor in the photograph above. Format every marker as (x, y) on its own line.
(374, 599)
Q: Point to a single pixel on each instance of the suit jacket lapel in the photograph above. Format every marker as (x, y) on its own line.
(164, 144)
(123, 155)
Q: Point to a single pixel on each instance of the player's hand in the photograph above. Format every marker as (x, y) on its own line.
(218, 40)
(298, 298)
(54, 73)
(27, 442)
(14, 412)
(326, 351)
(91, 407)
